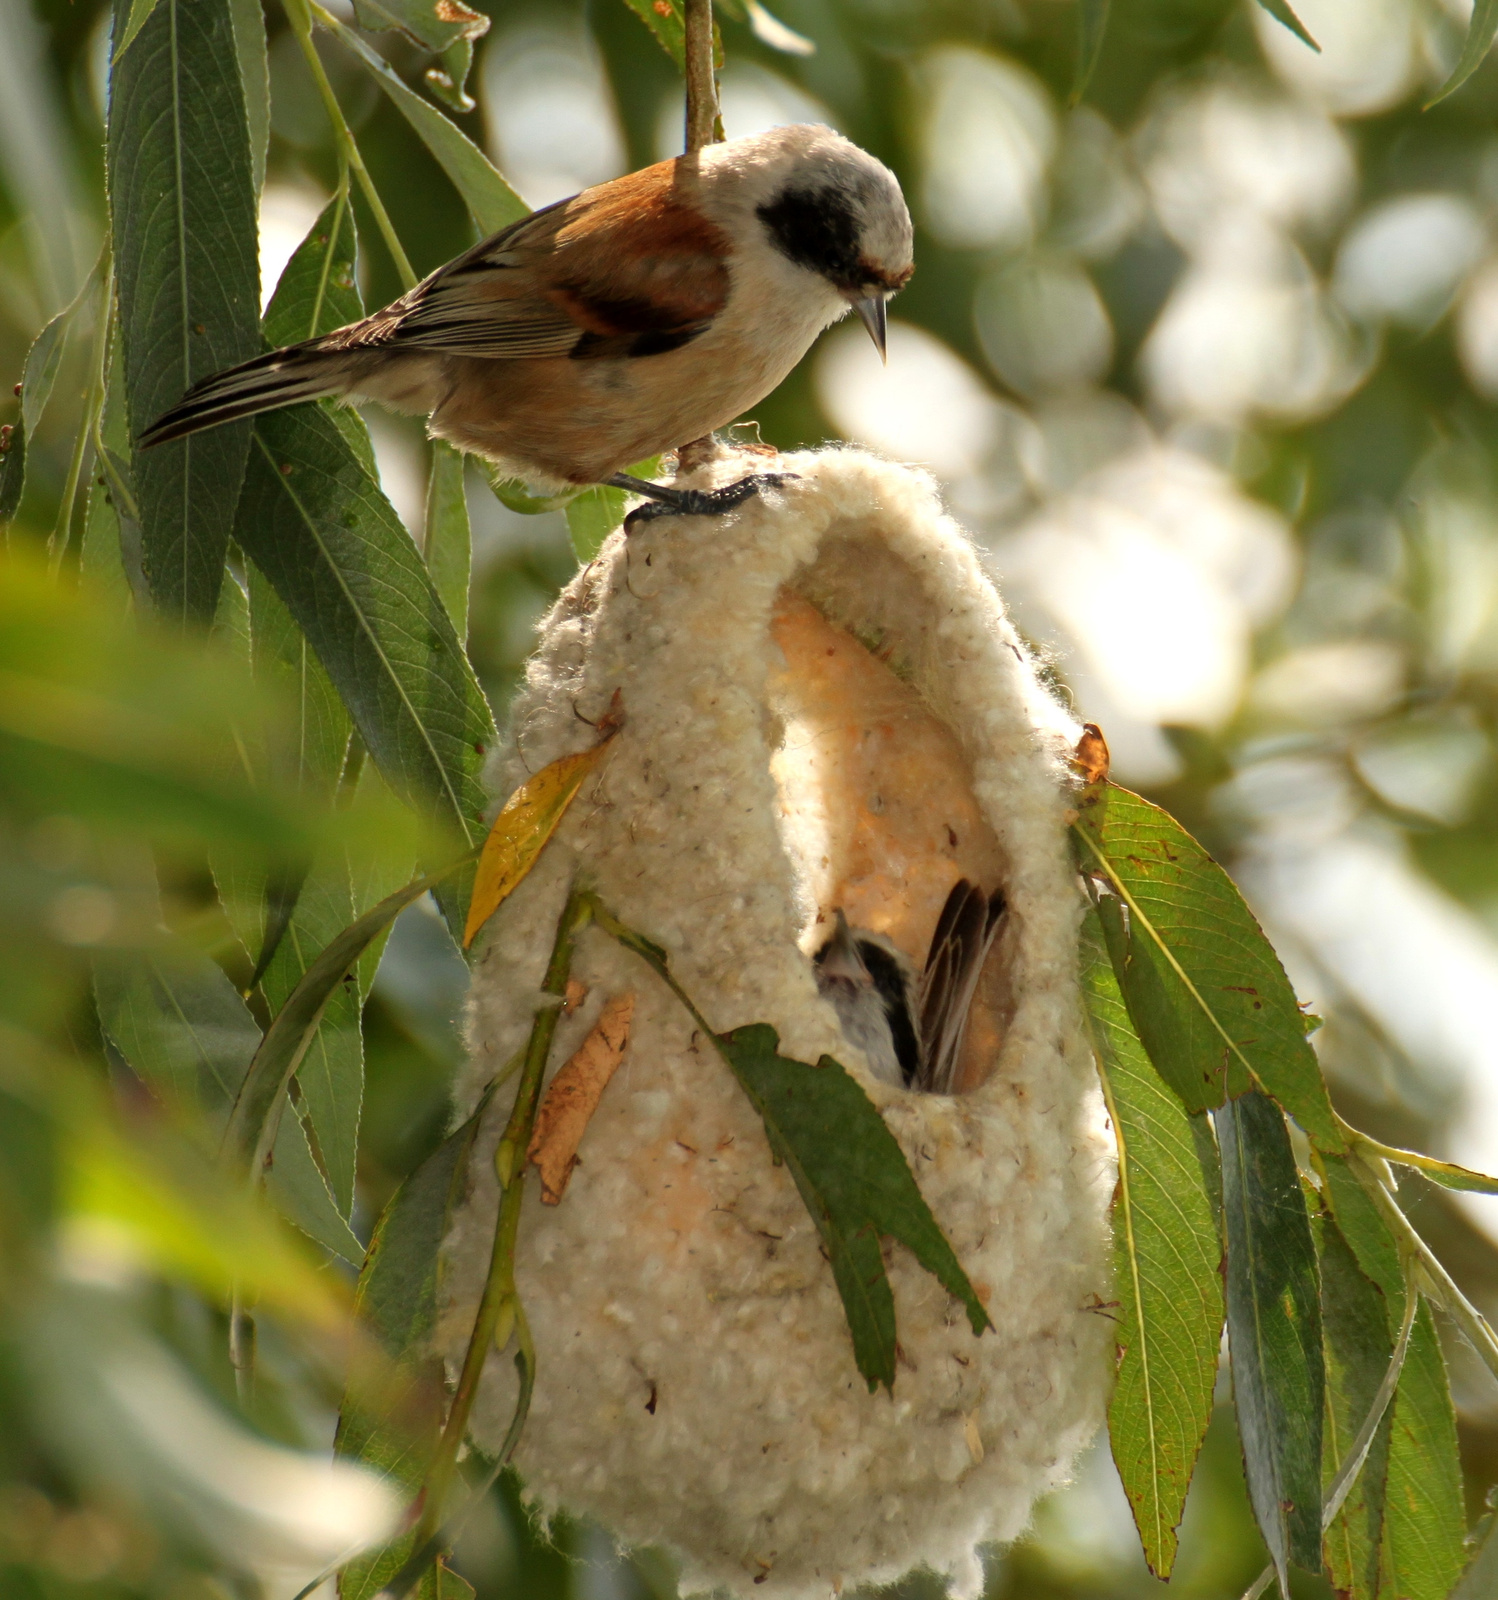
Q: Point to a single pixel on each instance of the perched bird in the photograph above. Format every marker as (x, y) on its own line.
(629, 320)
(911, 1026)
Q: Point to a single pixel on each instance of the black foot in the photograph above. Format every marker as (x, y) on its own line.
(663, 501)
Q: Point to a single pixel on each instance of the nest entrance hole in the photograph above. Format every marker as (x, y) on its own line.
(876, 806)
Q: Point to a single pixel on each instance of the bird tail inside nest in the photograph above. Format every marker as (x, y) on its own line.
(286, 377)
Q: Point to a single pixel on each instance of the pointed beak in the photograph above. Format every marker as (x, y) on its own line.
(871, 314)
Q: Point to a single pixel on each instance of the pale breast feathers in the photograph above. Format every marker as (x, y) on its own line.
(630, 268)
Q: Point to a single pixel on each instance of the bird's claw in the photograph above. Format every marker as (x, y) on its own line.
(704, 502)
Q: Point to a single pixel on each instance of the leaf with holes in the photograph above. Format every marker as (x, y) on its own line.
(1167, 1260)
(492, 203)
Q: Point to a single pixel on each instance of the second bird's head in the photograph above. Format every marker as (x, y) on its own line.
(811, 203)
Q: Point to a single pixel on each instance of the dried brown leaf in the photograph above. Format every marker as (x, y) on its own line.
(1090, 757)
(573, 1097)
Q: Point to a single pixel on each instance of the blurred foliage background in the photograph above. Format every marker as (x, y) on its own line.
(1208, 364)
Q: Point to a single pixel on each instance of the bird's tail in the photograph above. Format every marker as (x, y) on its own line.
(281, 378)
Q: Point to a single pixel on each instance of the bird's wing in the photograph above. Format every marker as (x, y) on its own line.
(965, 932)
(629, 267)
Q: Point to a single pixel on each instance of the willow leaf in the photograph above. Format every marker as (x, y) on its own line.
(1205, 989)
(182, 203)
(1475, 47)
(447, 540)
(1274, 1329)
(1167, 1260)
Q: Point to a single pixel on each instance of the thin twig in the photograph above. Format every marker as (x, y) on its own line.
(1438, 1285)
(702, 82)
(499, 1286)
(299, 14)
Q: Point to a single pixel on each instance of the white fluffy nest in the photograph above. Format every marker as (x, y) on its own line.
(696, 1382)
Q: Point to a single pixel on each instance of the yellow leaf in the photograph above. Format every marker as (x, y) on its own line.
(520, 831)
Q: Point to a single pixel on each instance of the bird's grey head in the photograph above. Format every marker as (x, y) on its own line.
(832, 209)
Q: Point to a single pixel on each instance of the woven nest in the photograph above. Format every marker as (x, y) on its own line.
(826, 708)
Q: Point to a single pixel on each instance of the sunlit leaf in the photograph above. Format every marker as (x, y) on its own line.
(526, 821)
(1475, 47)
(447, 541)
(1445, 1173)
(1167, 1273)
(849, 1169)
(1205, 989)
(1274, 1329)
(183, 207)
(490, 200)
(1358, 1342)
(1425, 1519)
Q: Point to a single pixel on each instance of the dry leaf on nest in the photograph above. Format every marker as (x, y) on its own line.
(573, 1097)
(528, 820)
(1090, 757)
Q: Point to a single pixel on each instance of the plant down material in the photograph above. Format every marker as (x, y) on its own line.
(824, 707)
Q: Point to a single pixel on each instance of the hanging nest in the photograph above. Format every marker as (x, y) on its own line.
(826, 709)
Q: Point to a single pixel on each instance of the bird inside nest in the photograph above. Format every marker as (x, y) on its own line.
(911, 1026)
(629, 320)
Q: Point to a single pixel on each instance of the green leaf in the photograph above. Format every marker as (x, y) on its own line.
(137, 14)
(1365, 1231)
(182, 203)
(252, 1122)
(319, 289)
(1167, 1259)
(847, 1165)
(1274, 1329)
(492, 203)
(40, 372)
(300, 1193)
(855, 1181)
(591, 517)
(250, 46)
(665, 20)
(423, 23)
(392, 1411)
(1475, 47)
(1281, 12)
(448, 544)
(1203, 985)
(176, 1019)
(1358, 1344)
(329, 542)
(110, 555)
(331, 1075)
(12, 470)
(1480, 1580)
(1092, 25)
(1424, 1516)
